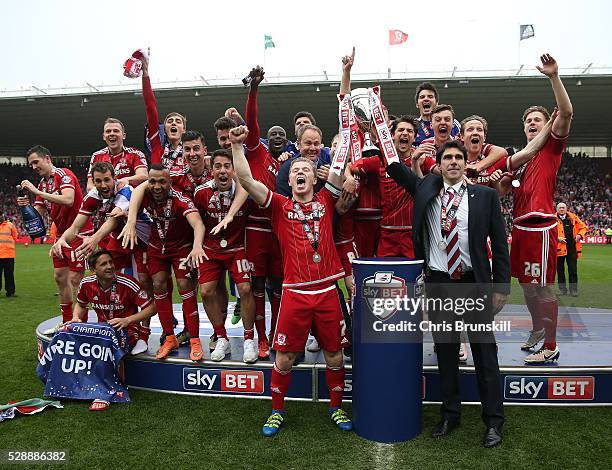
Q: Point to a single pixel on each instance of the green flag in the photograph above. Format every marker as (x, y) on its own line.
(268, 43)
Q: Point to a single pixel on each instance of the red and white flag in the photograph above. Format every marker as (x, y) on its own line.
(132, 68)
(397, 37)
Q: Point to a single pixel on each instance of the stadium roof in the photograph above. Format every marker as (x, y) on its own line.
(69, 122)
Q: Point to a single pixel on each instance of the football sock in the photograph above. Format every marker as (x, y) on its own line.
(279, 384)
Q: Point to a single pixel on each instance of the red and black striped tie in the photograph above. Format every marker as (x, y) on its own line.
(453, 252)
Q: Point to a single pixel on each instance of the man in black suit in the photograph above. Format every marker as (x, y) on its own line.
(451, 223)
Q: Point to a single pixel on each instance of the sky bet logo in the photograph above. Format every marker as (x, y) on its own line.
(549, 388)
(223, 381)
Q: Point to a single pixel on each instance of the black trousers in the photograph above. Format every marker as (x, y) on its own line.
(572, 269)
(484, 351)
(7, 266)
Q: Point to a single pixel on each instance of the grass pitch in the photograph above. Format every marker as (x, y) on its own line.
(160, 430)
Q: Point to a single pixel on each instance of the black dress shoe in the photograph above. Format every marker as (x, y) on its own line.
(444, 428)
(492, 437)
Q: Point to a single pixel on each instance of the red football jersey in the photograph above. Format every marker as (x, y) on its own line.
(160, 151)
(120, 300)
(538, 178)
(396, 202)
(125, 163)
(299, 266)
(345, 227)
(62, 216)
(368, 204)
(213, 206)
(184, 181)
(484, 176)
(170, 228)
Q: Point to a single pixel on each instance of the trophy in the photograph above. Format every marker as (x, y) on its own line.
(360, 99)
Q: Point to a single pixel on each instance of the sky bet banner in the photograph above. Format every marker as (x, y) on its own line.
(81, 363)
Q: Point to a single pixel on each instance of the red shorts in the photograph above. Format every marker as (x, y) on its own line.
(69, 259)
(533, 255)
(122, 257)
(366, 236)
(347, 252)
(395, 243)
(303, 310)
(263, 251)
(140, 257)
(213, 268)
(175, 259)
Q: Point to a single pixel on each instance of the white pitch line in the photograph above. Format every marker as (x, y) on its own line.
(384, 456)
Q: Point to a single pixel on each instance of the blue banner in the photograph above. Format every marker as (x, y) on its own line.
(387, 349)
(82, 363)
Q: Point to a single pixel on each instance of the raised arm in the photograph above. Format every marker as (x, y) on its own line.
(347, 65)
(256, 189)
(252, 140)
(550, 68)
(152, 117)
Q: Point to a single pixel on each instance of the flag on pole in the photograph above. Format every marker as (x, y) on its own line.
(527, 31)
(397, 37)
(268, 42)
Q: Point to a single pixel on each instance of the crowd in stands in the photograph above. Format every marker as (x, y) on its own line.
(583, 183)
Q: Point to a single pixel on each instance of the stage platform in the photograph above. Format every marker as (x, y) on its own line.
(581, 377)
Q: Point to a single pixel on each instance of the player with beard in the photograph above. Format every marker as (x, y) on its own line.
(166, 149)
(100, 207)
(175, 242)
(534, 232)
(59, 195)
(130, 164)
(303, 226)
(224, 250)
(396, 224)
(426, 99)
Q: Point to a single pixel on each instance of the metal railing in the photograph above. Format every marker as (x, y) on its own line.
(202, 82)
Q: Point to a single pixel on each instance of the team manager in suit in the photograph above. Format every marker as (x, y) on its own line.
(451, 223)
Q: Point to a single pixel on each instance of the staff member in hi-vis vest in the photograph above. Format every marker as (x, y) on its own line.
(571, 231)
(8, 237)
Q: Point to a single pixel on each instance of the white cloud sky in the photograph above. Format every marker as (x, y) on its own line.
(64, 42)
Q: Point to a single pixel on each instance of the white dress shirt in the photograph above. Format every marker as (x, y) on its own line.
(438, 259)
